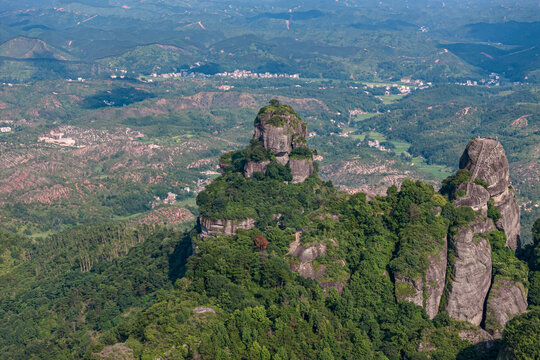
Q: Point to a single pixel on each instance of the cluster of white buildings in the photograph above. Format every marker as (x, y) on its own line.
(236, 74)
(494, 80)
(243, 74)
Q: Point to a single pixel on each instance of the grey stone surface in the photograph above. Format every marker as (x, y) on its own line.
(210, 227)
(435, 280)
(471, 272)
(301, 169)
(486, 160)
(507, 298)
(252, 166)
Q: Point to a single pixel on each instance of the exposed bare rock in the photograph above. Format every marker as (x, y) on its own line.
(410, 290)
(475, 336)
(280, 130)
(203, 310)
(477, 197)
(277, 139)
(435, 280)
(471, 272)
(252, 166)
(486, 160)
(481, 340)
(509, 222)
(301, 169)
(306, 255)
(427, 290)
(211, 227)
(303, 262)
(506, 299)
(118, 351)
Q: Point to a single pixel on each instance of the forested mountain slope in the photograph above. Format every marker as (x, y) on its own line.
(317, 274)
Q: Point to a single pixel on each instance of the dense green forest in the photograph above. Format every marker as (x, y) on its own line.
(110, 291)
(117, 117)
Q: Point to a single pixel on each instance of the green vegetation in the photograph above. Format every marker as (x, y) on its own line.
(301, 153)
(423, 234)
(451, 183)
(505, 262)
(231, 196)
(531, 254)
(493, 212)
(277, 114)
(86, 289)
(522, 335)
(481, 182)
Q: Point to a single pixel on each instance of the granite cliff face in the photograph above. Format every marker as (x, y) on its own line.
(253, 166)
(435, 280)
(301, 169)
(471, 272)
(507, 299)
(487, 162)
(475, 292)
(211, 227)
(427, 290)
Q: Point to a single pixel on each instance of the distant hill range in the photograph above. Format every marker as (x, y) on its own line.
(23, 47)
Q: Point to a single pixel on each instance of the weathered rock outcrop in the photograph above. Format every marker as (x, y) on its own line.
(410, 290)
(427, 290)
(302, 261)
(506, 299)
(435, 280)
(281, 130)
(509, 221)
(487, 162)
(301, 169)
(476, 197)
(472, 280)
(306, 255)
(471, 271)
(252, 166)
(211, 227)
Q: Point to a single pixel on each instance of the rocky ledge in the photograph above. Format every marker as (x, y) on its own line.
(211, 227)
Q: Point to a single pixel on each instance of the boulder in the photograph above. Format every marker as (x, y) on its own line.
(301, 169)
(252, 166)
(211, 227)
(277, 139)
(507, 298)
(471, 271)
(476, 197)
(280, 130)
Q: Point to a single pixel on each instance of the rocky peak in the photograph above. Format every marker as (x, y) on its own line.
(489, 186)
(280, 129)
(479, 291)
(486, 160)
